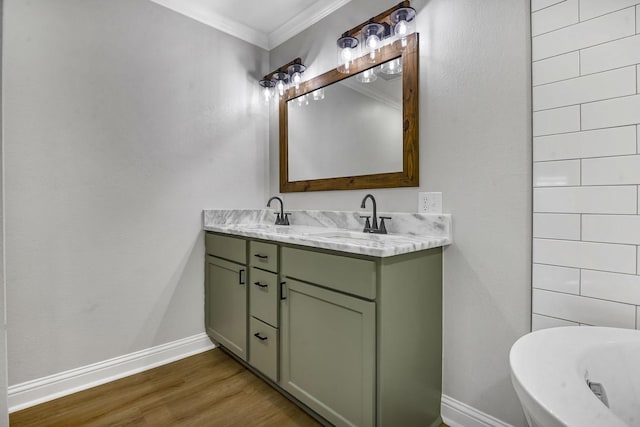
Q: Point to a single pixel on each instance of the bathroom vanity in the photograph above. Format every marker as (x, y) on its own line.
(347, 324)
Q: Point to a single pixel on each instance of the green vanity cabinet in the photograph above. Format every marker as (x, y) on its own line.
(356, 339)
(264, 335)
(226, 292)
(328, 353)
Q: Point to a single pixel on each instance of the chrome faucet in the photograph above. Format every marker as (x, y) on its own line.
(282, 217)
(372, 227)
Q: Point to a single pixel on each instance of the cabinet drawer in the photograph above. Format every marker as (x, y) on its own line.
(226, 247)
(263, 296)
(264, 256)
(263, 348)
(350, 275)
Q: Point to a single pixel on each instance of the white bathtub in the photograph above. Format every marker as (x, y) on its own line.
(550, 369)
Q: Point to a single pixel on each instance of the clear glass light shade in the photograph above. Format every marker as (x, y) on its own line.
(372, 36)
(347, 53)
(404, 23)
(392, 67)
(280, 80)
(267, 90)
(367, 76)
(318, 94)
(295, 74)
(303, 100)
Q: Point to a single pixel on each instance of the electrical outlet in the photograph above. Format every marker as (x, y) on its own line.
(430, 202)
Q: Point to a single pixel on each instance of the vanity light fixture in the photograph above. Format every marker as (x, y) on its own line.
(267, 89)
(372, 36)
(392, 25)
(318, 94)
(392, 67)
(278, 80)
(367, 76)
(403, 21)
(295, 74)
(347, 52)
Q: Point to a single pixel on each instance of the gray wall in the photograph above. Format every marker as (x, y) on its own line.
(4, 414)
(123, 120)
(475, 147)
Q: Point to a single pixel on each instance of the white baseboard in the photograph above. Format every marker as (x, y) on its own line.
(458, 414)
(41, 390)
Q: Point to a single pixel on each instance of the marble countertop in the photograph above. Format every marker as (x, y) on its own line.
(336, 230)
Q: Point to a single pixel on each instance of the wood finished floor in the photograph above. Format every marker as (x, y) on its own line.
(208, 389)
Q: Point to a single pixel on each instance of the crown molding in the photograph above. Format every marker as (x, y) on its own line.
(296, 25)
(303, 20)
(217, 21)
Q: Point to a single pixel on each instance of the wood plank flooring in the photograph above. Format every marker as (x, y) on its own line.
(208, 389)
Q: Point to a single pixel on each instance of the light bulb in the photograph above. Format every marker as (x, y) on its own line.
(280, 86)
(296, 79)
(346, 54)
(401, 28)
(266, 94)
(373, 42)
(367, 76)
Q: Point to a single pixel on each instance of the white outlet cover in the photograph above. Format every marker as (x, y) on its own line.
(430, 202)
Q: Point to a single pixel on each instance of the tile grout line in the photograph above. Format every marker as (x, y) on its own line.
(583, 47)
(533, 61)
(547, 7)
(580, 282)
(588, 297)
(579, 17)
(585, 130)
(583, 268)
(588, 102)
(634, 245)
(569, 159)
(586, 20)
(580, 63)
(580, 75)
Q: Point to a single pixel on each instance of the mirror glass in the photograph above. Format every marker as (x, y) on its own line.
(350, 128)
(346, 132)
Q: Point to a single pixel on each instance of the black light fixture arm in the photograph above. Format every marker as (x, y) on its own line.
(382, 18)
(282, 69)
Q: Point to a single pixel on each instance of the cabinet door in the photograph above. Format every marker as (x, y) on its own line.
(328, 353)
(226, 304)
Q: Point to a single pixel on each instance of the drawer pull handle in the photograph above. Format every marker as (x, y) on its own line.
(260, 256)
(241, 277)
(261, 285)
(283, 296)
(260, 337)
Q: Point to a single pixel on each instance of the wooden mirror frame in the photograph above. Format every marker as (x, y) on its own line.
(409, 177)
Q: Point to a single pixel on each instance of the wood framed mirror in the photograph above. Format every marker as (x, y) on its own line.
(345, 145)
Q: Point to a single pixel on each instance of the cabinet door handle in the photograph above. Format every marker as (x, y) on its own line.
(261, 256)
(261, 285)
(241, 277)
(283, 296)
(260, 337)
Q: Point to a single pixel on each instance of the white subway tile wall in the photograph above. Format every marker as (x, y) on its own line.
(586, 170)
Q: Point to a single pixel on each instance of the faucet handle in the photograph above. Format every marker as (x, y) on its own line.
(278, 219)
(367, 223)
(383, 228)
(285, 220)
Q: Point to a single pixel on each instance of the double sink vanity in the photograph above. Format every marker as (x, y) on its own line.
(346, 323)
(340, 313)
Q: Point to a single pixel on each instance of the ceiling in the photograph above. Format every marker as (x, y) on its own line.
(264, 24)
